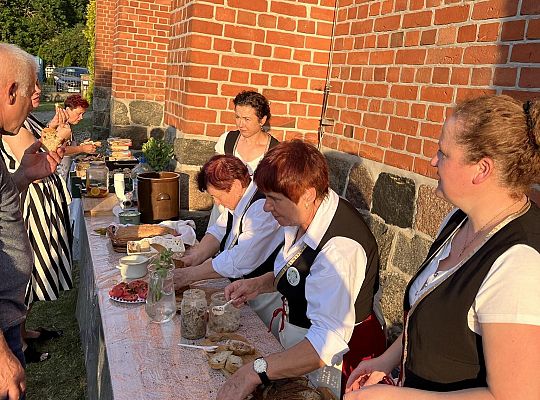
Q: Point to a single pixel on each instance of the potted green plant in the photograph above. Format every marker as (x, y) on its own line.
(158, 153)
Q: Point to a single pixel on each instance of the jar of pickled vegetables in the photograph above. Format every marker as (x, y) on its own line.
(97, 179)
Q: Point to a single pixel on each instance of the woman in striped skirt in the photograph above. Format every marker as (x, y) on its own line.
(46, 216)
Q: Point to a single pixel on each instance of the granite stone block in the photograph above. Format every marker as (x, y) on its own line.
(384, 236)
(190, 197)
(410, 251)
(430, 210)
(137, 134)
(119, 113)
(338, 170)
(146, 113)
(393, 286)
(394, 199)
(193, 151)
(360, 187)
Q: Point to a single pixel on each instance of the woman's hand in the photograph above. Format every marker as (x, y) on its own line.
(64, 131)
(242, 290)
(368, 372)
(191, 258)
(240, 385)
(60, 118)
(89, 148)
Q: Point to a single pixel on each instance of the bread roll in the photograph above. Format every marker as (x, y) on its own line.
(239, 348)
(233, 363)
(218, 360)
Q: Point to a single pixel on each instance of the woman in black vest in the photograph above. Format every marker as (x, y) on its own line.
(472, 312)
(251, 140)
(244, 240)
(327, 272)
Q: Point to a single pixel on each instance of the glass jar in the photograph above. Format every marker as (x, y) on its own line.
(193, 314)
(97, 179)
(227, 320)
(161, 300)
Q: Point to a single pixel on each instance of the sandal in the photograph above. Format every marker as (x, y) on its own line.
(45, 334)
(31, 355)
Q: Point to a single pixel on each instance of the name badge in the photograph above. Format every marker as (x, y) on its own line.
(293, 276)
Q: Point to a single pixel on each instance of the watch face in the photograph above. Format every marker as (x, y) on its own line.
(259, 365)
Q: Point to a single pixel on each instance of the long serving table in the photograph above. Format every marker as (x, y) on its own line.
(127, 356)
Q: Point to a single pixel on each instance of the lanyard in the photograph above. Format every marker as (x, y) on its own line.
(288, 265)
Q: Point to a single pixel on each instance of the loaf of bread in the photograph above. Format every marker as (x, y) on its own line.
(239, 348)
(218, 360)
(135, 232)
(50, 140)
(233, 363)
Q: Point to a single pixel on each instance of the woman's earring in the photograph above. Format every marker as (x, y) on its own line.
(306, 205)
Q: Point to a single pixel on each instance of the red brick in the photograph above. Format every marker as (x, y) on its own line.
(299, 83)
(317, 43)
(481, 76)
(306, 26)
(382, 40)
(246, 18)
(384, 139)
(415, 20)
(374, 8)
(410, 56)
(381, 57)
(316, 13)
(436, 94)
(488, 32)
(418, 111)
(533, 30)
(441, 75)
(429, 148)
(281, 67)
(267, 21)
(280, 38)
(433, 3)
(416, 4)
(398, 160)
(400, 5)
(389, 23)
(488, 54)
(505, 77)
(435, 114)
(206, 27)
(239, 76)
(349, 146)
(246, 33)
(466, 33)
(413, 145)
(398, 142)
(287, 8)
(513, 30)
(392, 74)
(375, 121)
(423, 75)
(467, 93)
(403, 125)
(202, 10)
(460, 76)
(404, 92)
(522, 95)
(225, 14)
(371, 136)
(452, 14)
(260, 6)
(282, 53)
(430, 130)
(526, 53)
(371, 152)
(402, 109)
(494, 9)
(412, 38)
(428, 37)
(407, 75)
(200, 114)
(379, 74)
(423, 167)
(447, 35)
(446, 55)
(245, 62)
(529, 78)
(530, 7)
(262, 50)
(375, 90)
(243, 47)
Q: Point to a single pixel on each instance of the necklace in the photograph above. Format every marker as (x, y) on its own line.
(467, 242)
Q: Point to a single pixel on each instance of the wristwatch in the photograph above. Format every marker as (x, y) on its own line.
(260, 365)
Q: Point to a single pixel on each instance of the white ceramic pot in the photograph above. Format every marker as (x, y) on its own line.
(133, 266)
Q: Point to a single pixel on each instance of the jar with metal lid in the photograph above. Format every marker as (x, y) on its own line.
(97, 179)
(193, 314)
(223, 320)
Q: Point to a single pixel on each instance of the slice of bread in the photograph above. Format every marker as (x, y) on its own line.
(218, 360)
(233, 363)
(50, 140)
(239, 348)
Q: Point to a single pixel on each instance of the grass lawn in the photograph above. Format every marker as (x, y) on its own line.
(63, 375)
(46, 107)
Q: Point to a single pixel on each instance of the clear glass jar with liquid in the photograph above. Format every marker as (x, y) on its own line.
(97, 179)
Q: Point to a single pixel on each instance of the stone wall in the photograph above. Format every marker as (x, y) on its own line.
(400, 207)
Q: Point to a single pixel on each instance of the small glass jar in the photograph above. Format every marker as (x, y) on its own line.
(97, 179)
(193, 318)
(227, 320)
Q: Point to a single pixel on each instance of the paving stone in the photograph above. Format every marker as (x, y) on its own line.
(190, 197)
(338, 170)
(146, 113)
(393, 285)
(119, 113)
(193, 151)
(410, 251)
(430, 210)
(393, 199)
(360, 187)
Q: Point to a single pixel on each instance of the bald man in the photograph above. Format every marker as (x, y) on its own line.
(17, 79)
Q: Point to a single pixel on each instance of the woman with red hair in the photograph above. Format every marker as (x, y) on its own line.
(243, 241)
(327, 272)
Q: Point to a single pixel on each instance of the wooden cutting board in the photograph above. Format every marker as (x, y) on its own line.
(99, 205)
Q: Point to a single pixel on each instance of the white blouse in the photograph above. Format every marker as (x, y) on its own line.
(261, 235)
(251, 165)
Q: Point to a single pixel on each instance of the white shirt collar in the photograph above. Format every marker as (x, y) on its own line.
(244, 201)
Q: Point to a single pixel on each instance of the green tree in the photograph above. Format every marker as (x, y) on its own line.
(90, 34)
(32, 23)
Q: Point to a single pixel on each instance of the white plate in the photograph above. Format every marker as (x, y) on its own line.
(119, 300)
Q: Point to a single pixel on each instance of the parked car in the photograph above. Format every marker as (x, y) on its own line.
(68, 79)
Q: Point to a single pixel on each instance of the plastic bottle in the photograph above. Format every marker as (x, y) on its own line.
(141, 167)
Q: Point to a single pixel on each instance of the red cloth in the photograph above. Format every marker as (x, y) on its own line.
(367, 341)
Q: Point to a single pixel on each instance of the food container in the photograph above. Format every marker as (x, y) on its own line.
(133, 266)
(226, 321)
(158, 196)
(97, 179)
(132, 217)
(193, 310)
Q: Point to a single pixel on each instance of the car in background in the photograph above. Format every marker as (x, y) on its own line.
(68, 79)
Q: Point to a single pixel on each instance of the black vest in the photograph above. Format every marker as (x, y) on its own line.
(443, 354)
(232, 138)
(268, 264)
(347, 222)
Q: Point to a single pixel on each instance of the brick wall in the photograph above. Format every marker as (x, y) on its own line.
(219, 48)
(399, 66)
(105, 19)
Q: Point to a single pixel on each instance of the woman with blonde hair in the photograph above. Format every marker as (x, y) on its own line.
(472, 315)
